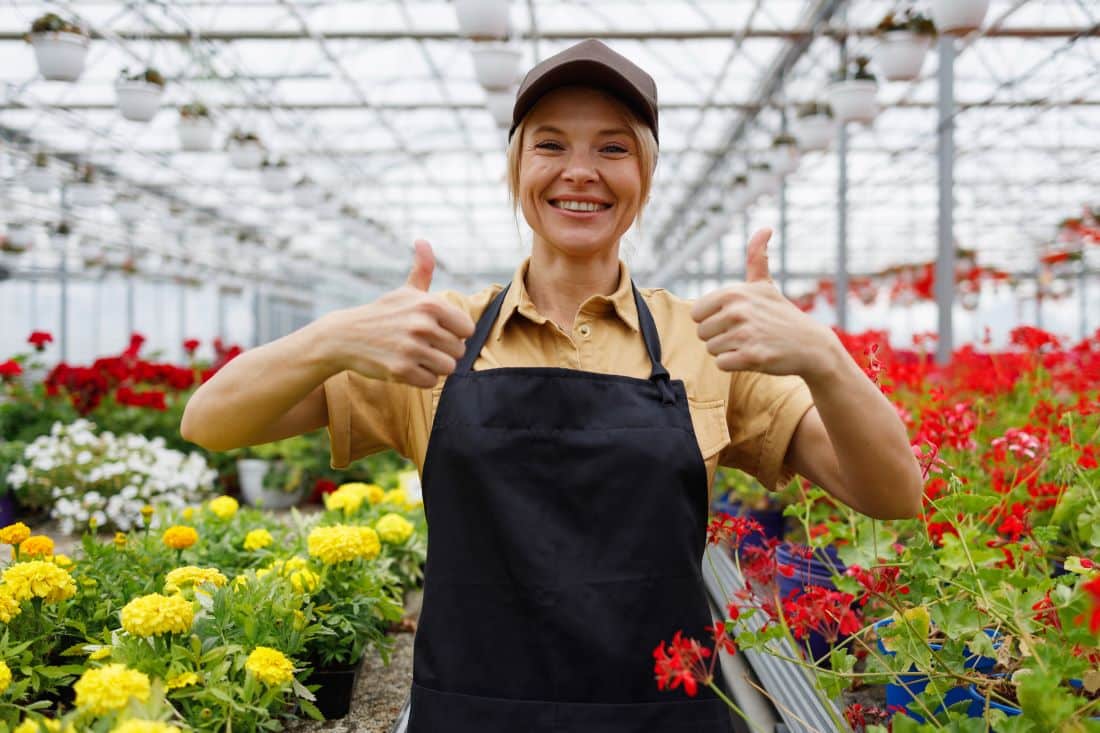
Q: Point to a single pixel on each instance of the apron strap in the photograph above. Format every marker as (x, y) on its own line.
(658, 374)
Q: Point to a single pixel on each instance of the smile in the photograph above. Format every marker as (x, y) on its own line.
(580, 206)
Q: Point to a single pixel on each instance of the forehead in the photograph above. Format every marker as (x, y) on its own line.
(578, 108)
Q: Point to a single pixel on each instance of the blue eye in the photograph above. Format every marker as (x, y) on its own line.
(616, 149)
(548, 145)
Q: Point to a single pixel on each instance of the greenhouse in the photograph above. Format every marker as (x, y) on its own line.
(555, 366)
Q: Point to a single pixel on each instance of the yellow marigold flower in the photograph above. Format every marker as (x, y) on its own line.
(155, 614)
(184, 679)
(147, 513)
(270, 666)
(31, 725)
(144, 726)
(305, 581)
(180, 537)
(191, 575)
(224, 506)
(38, 545)
(101, 653)
(188, 513)
(394, 529)
(5, 675)
(62, 561)
(257, 539)
(240, 582)
(397, 497)
(39, 579)
(101, 690)
(299, 619)
(262, 572)
(13, 534)
(342, 543)
(293, 563)
(9, 606)
(120, 540)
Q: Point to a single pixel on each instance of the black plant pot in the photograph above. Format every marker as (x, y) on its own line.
(337, 685)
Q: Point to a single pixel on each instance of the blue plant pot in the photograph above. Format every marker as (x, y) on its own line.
(771, 520)
(816, 571)
(977, 704)
(9, 512)
(900, 694)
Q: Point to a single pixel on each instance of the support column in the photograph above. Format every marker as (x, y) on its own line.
(181, 304)
(220, 310)
(1082, 300)
(842, 214)
(130, 315)
(782, 279)
(63, 277)
(945, 258)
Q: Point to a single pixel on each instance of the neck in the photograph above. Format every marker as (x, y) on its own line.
(559, 283)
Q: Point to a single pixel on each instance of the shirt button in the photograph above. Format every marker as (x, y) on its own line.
(585, 329)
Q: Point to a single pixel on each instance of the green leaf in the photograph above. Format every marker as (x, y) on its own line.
(310, 709)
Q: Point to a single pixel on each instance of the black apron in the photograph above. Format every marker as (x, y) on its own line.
(567, 519)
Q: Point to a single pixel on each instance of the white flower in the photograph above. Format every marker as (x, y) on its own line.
(83, 457)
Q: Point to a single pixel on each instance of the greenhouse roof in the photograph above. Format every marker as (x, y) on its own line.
(378, 103)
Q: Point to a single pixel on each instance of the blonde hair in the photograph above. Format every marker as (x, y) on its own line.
(647, 159)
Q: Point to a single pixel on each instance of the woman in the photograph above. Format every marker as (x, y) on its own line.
(568, 428)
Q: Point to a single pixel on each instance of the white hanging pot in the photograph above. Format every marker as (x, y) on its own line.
(500, 107)
(84, 194)
(246, 156)
(496, 65)
(20, 237)
(196, 134)
(60, 54)
(308, 195)
(129, 210)
(899, 55)
(784, 159)
(275, 179)
(40, 180)
(815, 132)
(853, 100)
(482, 19)
(958, 17)
(762, 181)
(138, 101)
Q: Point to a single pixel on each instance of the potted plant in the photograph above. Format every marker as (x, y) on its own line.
(129, 207)
(39, 178)
(246, 152)
(482, 20)
(500, 105)
(19, 238)
(307, 193)
(739, 193)
(195, 128)
(959, 17)
(852, 94)
(139, 94)
(84, 191)
(272, 475)
(814, 127)
(904, 41)
(496, 65)
(784, 154)
(275, 175)
(60, 47)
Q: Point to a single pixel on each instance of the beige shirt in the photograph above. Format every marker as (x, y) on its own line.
(743, 420)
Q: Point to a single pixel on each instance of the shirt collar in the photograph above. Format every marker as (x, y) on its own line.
(518, 300)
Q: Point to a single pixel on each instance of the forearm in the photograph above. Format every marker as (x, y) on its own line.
(880, 475)
(250, 393)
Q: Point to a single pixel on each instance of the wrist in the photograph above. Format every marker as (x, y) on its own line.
(323, 339)
(829, 365)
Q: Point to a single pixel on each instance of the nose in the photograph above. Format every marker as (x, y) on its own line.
(580, 168)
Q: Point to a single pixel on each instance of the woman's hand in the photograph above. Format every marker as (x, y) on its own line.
(408, 335)
(750, 326)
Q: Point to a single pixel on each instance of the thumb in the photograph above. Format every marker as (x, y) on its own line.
(756, 261)
(423, 265)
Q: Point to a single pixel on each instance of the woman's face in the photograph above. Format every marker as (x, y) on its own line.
(579, 175)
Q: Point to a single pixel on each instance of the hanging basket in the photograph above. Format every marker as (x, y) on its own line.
(40, 180)
(60, 54)
(308, 195)
(20, 238)
(854, 100)
(762, 182)
(959, 17)
(500, 107)
(815, 132)
(196, 134)
(482, 19)
(85, 194)
(246, 156)
(275, 179)
(138, 101)
(129, 210)
(496, 65)
(900, 55)
(784, 159)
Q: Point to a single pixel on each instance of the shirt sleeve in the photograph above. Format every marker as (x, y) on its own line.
(365, 416)
(762, 413)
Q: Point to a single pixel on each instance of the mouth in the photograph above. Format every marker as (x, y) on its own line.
(579, 208)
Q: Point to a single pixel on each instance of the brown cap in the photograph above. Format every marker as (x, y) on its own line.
(592, 64)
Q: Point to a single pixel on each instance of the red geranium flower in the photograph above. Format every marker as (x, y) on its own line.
(10, 368)
(190, 345)
(39, 339)
(682, 663)
(1093, 589)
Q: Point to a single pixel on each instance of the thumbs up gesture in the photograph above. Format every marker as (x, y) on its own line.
(750, 326)
(408, 335)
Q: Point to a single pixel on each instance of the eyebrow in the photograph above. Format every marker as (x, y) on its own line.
(556, 131)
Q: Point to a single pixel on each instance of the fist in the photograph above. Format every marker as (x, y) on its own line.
(408, 335)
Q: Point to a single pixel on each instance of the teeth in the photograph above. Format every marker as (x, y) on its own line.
(580, 206)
